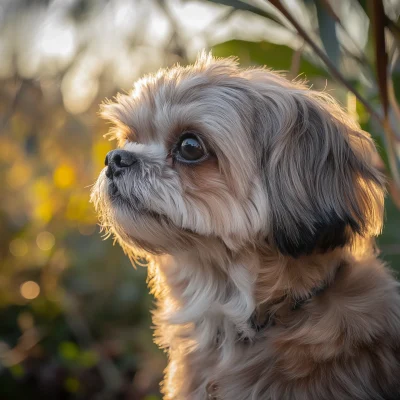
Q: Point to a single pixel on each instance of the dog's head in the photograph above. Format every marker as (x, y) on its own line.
(245, 156)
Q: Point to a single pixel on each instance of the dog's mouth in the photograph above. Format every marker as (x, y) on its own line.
(117, 198)
(113, 189)
(132, 202)
(136, 207)
(139, 225)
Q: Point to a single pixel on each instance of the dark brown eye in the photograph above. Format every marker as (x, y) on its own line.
(190, 149)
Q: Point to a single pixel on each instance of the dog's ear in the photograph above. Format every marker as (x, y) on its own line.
(322, 184)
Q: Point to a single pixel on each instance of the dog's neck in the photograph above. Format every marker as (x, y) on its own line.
(297, 281)
(280, 276)
(211, 283)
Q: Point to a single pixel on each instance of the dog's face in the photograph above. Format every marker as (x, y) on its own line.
(245, 157)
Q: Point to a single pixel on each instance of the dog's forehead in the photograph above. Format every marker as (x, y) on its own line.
(164, 108)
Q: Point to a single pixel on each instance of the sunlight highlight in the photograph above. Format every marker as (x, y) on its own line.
(30, 290)
(57, 40)
(64, 176)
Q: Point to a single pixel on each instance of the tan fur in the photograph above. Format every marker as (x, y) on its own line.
(288, 201)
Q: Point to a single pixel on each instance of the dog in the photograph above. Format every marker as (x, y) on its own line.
(257, 201)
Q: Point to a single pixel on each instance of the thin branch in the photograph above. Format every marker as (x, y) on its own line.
(176, 38)
(296, 61)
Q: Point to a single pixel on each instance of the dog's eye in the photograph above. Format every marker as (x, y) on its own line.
(190, 149)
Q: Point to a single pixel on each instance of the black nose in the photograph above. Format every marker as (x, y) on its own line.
(117, 160)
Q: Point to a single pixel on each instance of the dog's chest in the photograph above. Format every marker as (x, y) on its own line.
(233, 367)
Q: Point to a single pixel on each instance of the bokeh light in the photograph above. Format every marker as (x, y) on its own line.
(45, 241)
(86, 230)
(30, 290)
(64, 176)
(18, 247)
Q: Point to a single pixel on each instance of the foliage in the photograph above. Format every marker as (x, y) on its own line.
(75, 314)
(85, 330)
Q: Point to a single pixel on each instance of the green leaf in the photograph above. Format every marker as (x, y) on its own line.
(72, 384)
(277, 57)
(88, 358)
(17, 371)
(364, 5)
(396, 82)
(68, 350)
(327, 31)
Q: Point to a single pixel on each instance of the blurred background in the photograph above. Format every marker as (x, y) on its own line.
(74, 313)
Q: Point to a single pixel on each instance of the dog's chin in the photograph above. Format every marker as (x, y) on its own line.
(116, 198)
(140, 228)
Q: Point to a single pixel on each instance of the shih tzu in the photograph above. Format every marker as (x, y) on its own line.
(258, 201)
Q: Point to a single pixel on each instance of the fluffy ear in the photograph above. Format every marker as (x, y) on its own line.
(322, 185)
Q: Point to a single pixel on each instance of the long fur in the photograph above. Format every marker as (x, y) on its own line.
(288, 194)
